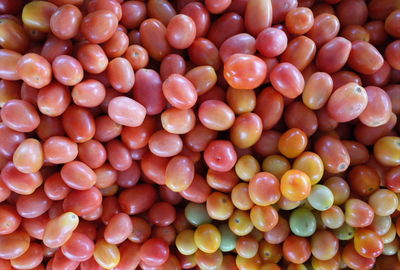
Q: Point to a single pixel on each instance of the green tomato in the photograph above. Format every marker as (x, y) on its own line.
(391, 248)
(196, 214)
(302, 222)
(321, 197)
(228, 238)
(344, 232)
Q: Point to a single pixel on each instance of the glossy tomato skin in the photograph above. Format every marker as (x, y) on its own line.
(333, 153)
(132, 200)
(224, 134)
(149, 29)
(333, 55)
(360, 52)
(13, 36)
(300, 52)
(220, 155)
(64, 23)
(258, 16)
(34, 69)
(296, 249)
(244, 71)
(347, 103)
(287, 79)
(204, 52)
(269, 107)
(99, 26)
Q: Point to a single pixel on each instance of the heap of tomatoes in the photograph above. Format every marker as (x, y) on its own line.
(191, 134)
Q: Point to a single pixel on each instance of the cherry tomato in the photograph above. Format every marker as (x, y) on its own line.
(243, 71)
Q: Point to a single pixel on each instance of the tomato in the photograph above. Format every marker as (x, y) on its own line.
(216, 115)
(325, 28)
(354, 260)
(83, 122)
(292, 143)
(59, 230)
(219, 206)
(281, 8)
(129, 256)
(367, 243)
(321, 198)
(34, 69)
(13, 36)
(126, 111)
(333, 55)
(32, 258)
(311, 164)
(244, 71)
(358, 213)
(65, 21)
(287, 80)
(302, 222)
(220, 155)
(120, 74)
(99, 26)
(161, 10)
(264, 218)
(79, 247)
(392, 54)
(240, 43)
(246, 130)
(296, 249)
(276, 165)
(137, 56)
(198, 190)
(295, 185)
(83, 201)
(324, 245)
(386, 150)
(185, 242)
(258, 16)
(208, 260)
(264, 189)
(333, 263)
(203, 78)
(181, 31)
(390, 23)
(149, 29)
(28, 157)
(106, 255)
(384, 202)
(37, 15)
(333, 154)
(179, 91)
(199, 135)
(19, 182)
(207, 238)
(92, 58)
(269, 107)
(360, 52)
(378, 101)
(299, 20)
(333, 218)
(147, 254)
(246, 247)
(33, 205)
(240, 223)
(117, 44)
(271, 42)
(240, 197)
